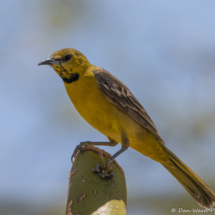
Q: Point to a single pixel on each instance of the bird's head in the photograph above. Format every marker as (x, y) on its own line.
(68, 63)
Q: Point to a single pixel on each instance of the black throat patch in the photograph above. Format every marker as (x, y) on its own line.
(74, 77)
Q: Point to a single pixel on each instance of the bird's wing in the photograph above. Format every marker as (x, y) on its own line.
(118, 94)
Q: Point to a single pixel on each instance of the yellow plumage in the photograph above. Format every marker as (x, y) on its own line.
(109, 106)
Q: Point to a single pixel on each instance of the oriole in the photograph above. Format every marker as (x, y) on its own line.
(110, 107)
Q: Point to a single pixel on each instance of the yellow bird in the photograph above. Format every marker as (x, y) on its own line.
(110, 107)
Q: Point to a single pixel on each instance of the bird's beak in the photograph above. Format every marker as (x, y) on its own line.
(50, 61)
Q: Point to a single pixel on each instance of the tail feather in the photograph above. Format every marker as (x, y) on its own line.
(197, 188)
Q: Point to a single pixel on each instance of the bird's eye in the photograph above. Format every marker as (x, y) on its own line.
(68, 57)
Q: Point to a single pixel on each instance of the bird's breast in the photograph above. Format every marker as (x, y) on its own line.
(93, 106)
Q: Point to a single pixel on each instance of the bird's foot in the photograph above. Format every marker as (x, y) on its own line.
(105, 170)
(78, 150)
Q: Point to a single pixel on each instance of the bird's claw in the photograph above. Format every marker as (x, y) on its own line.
(78, 150)
(105, 170)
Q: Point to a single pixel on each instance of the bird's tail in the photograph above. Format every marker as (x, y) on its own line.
(195, 186)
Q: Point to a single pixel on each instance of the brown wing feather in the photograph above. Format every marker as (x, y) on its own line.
(118, 94)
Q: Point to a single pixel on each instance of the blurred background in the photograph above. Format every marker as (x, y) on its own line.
(164, 51)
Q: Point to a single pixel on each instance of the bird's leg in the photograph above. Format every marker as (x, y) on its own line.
(88, 143)
(117, 154)
(125, 144)
(105, 170)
